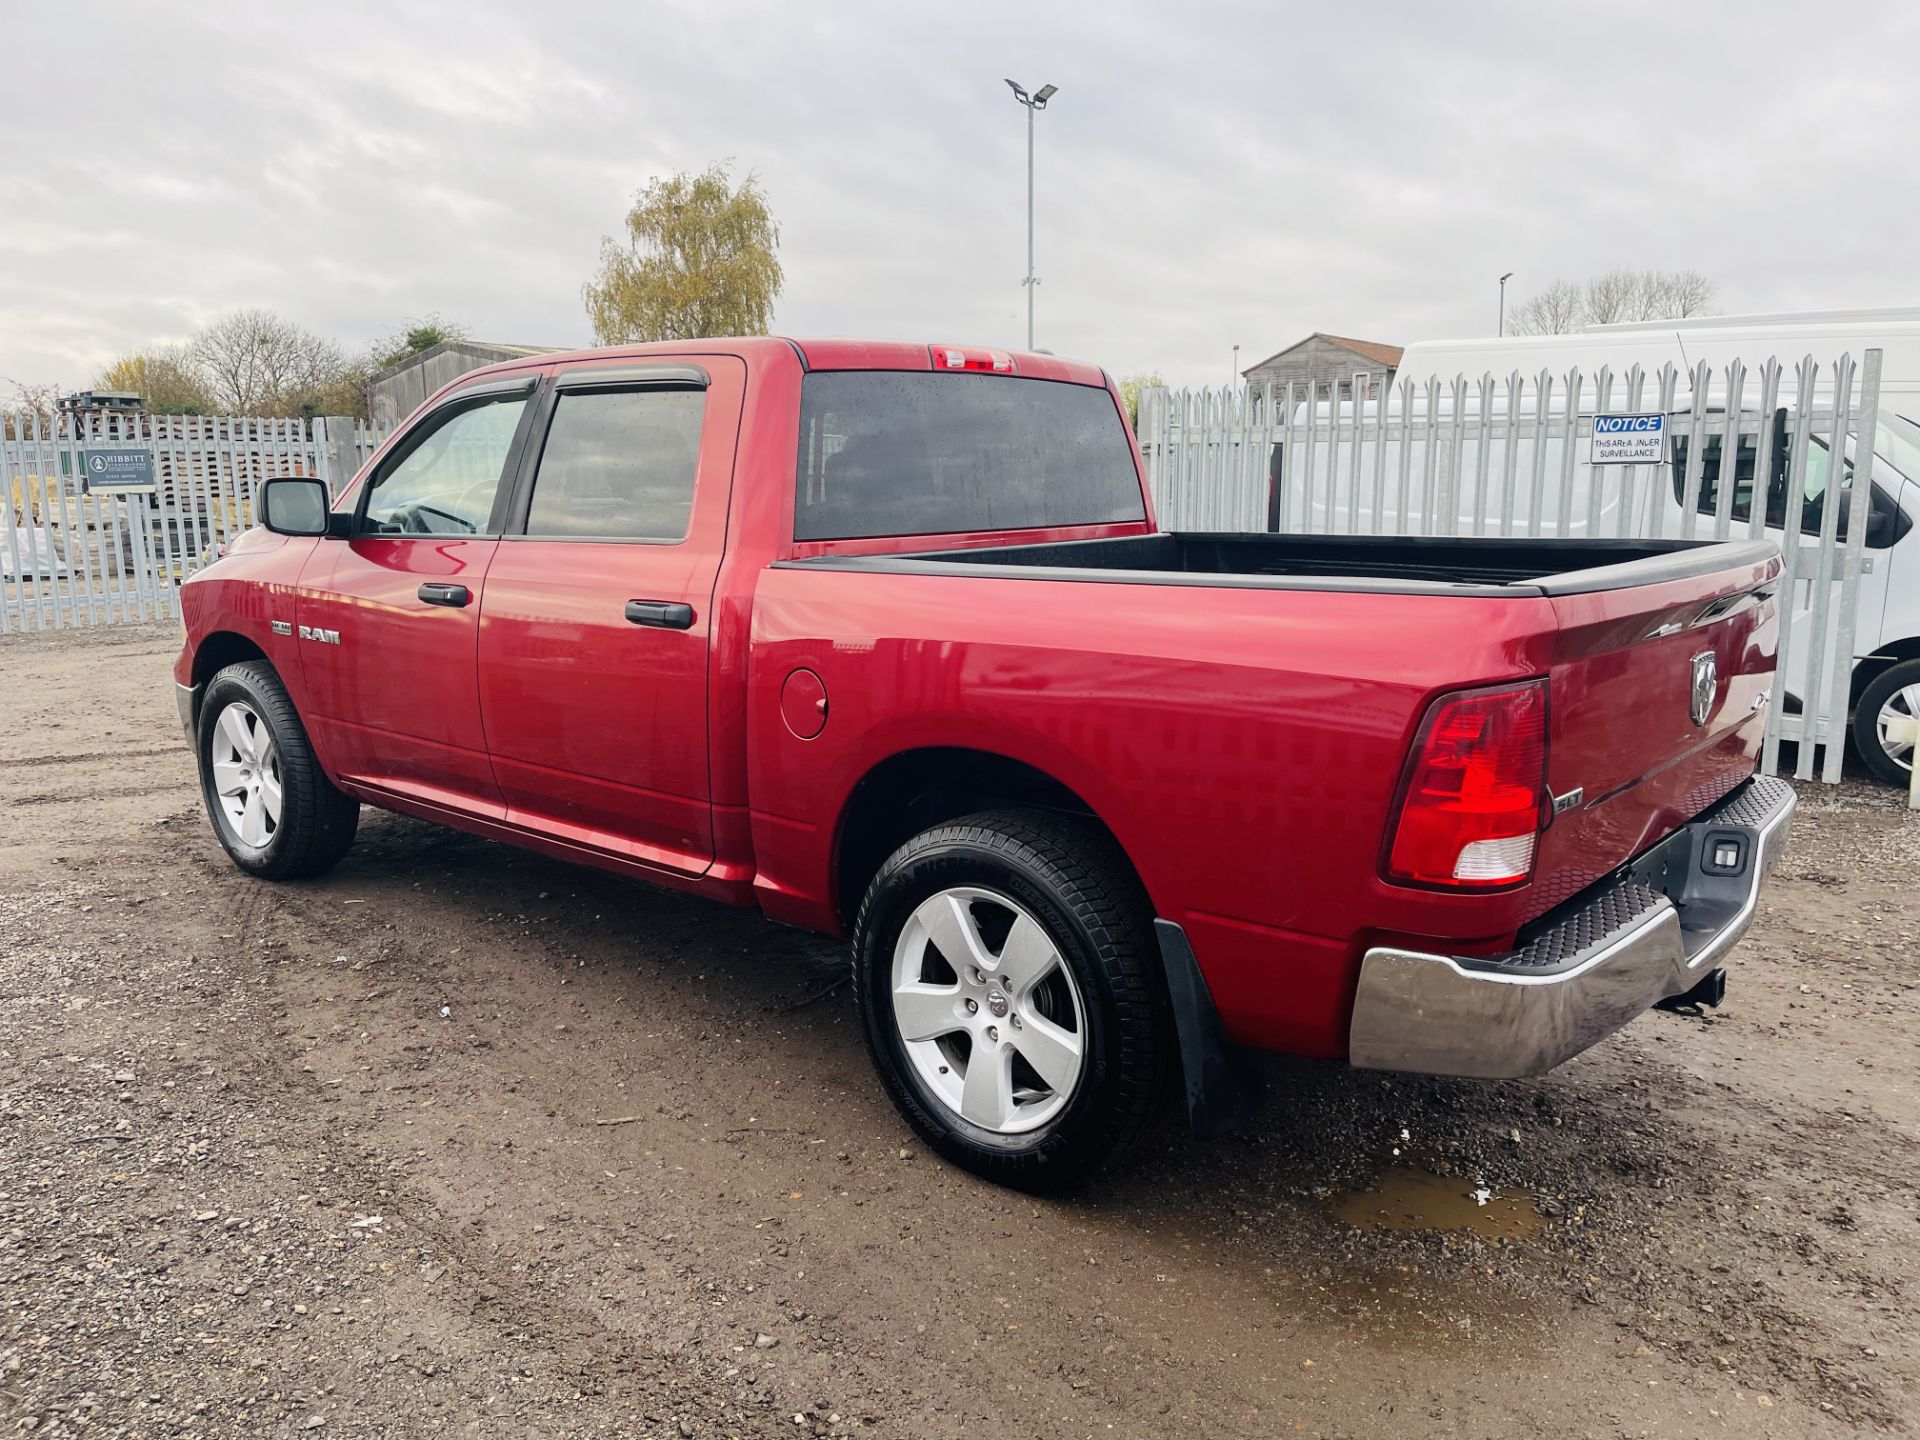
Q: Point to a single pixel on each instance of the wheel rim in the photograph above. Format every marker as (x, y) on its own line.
(988, 1011)
(1899, 715)
(246, 776)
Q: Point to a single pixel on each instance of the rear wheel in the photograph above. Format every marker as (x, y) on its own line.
(1884, 721)
(273, 808)
(1011, 995)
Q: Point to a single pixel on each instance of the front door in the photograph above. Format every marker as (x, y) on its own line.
(388, 619)
(595, 632)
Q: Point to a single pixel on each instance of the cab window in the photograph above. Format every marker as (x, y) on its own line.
(445, 481)
(618, 464)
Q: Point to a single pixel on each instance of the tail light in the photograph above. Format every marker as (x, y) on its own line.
(954, 357)
(1470, 809)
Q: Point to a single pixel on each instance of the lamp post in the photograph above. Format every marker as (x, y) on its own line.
(1503, 301)
(1037, 101)
(1235, 380)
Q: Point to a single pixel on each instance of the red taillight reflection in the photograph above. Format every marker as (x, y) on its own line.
(1470, 812)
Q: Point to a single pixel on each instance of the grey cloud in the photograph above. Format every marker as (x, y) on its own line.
(1210, 174)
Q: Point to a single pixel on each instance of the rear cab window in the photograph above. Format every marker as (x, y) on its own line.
(885, 453)
(618, 464)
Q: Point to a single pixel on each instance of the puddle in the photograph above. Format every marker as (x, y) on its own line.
(1411, 1201)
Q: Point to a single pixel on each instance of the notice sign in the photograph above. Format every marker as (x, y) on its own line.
(1629, 439)
(118, 469)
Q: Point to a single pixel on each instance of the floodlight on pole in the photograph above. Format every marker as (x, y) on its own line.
(1503, 301)
(1034, 103)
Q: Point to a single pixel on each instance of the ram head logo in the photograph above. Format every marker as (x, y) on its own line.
(1706, 684)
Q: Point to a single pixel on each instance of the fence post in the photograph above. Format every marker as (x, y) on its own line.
(339, 456)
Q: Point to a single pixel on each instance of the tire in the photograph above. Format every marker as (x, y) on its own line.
(1893, 694)
(247, 706)
(1065, 936)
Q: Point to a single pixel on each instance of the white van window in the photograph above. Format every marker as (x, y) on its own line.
(1815, 483)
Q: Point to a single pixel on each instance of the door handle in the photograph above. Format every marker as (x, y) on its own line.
(435, 593)
(661, 614)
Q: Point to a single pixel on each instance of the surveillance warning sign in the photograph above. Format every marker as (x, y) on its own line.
(1629, 439)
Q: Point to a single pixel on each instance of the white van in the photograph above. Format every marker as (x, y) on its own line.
(1884, 691)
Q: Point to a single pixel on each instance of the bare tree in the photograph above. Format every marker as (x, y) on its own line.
(253, 362)
(1555, 310)
(17, 397)
(1680, 293)
(1615, 298)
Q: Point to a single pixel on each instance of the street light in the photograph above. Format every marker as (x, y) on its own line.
(1503, 301)
(1236, 366)
(1034, 102)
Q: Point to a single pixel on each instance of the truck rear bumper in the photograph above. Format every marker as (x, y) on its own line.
(1653, 932)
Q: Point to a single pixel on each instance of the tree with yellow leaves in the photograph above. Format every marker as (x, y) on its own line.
(700, 258)
(165, 376)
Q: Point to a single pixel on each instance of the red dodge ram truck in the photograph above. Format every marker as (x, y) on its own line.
(881, 639)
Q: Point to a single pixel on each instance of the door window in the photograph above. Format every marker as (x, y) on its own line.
(445, 482)
(1886, 524)
(618, 465)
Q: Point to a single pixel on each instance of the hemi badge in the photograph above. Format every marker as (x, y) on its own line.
(1569, 801)
(282, 627)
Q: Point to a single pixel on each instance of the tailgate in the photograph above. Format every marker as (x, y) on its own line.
(1658, 699)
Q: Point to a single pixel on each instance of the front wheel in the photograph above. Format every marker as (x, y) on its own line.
(1010, 993)
(1884, 721)
(274, 809)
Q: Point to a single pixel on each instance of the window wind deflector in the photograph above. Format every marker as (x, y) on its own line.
(600, 375)
(505, 385)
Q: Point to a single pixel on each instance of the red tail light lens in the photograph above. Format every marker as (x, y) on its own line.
(1470, 811)
(954, 357)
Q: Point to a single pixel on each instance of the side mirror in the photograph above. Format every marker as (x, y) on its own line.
(1880, 525)
(295, 506)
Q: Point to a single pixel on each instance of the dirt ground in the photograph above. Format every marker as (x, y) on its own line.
(460, 1141)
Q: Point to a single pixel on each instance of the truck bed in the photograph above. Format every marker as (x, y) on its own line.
(1389, 564)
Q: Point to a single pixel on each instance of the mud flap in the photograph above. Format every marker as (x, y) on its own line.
(1225, 1081)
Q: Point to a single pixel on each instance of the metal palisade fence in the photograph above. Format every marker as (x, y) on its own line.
(1513, 456)
(103, 515)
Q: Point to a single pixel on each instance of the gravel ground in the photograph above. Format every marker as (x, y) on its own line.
(461, 1141)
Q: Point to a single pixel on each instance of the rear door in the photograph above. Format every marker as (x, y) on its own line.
(387, 620)
(596, 630)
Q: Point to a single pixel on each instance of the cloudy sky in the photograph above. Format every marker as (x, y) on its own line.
(1209, 174)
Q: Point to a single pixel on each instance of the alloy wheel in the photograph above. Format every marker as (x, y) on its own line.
(988, 1010)
(246, 776)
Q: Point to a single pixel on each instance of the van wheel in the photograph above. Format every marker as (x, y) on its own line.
(272, 806)
(1884, 720)
(1009, 989)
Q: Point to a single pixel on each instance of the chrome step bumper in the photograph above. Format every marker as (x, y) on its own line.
(1652, 932)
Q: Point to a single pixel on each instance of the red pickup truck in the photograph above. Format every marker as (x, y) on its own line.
(881, 639)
